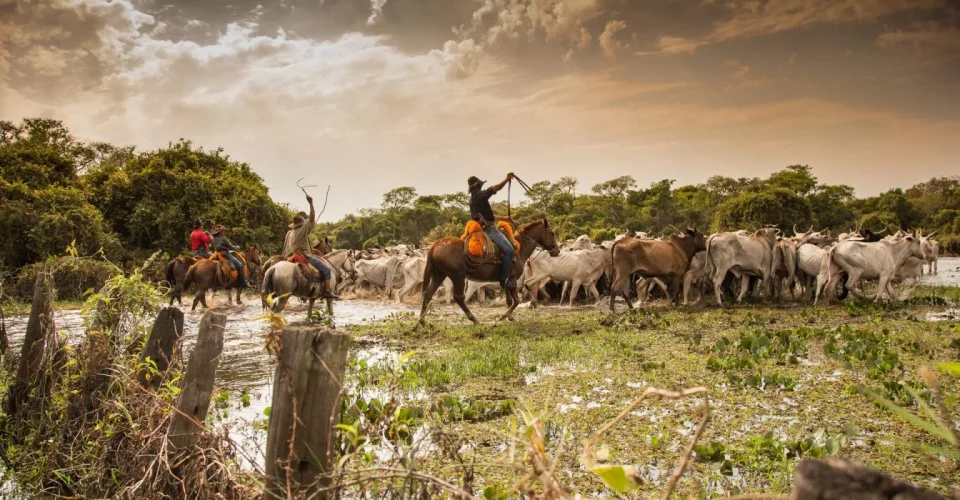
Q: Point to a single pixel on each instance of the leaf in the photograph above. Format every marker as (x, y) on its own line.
(909, 417)
(950, 368)
(403, 359)
(621, 478)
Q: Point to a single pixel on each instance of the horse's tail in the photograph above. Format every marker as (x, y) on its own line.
(171, 279)
(428, 269)
(268, 287)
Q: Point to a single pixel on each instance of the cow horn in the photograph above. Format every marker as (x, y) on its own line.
(930, 235)
(795, 229)
(675, 228)
(885, 230)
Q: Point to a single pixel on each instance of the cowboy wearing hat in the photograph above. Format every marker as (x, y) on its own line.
(481, 212)
(221, 244)
(200, 241)
(297, 242)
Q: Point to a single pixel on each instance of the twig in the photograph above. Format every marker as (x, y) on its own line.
(689, 452)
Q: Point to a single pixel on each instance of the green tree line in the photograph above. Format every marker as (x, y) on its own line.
(790, 196)
(56, 190)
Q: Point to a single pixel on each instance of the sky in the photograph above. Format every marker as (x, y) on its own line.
(368, 95)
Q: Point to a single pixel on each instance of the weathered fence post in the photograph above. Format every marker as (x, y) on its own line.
(305, 406)
(39, 327)
(836, 478)
(4, 340)
(197, 387)
(164, 336)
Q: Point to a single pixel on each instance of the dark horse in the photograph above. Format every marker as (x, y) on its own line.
(446, 259)
(178, 270)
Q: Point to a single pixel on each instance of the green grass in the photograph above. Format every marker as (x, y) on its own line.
(581, 368)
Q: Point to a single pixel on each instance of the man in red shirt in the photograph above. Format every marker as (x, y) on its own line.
(200, 241)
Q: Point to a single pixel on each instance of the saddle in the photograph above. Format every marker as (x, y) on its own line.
(311, 273)
(226, 274)
(480, 246)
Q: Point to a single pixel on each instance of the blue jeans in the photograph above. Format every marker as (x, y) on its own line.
(317, 263)
(201, 253)
(505, 246)
(235, 262)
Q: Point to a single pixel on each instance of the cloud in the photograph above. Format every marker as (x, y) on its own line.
(753, 18)
(742, 76)
(458, 59)
(554, 20)
(376, 9)
(930, 36)
(608, 39)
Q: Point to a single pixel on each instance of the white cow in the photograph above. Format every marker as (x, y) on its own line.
(581, 267)
(379, 273)
(879, 261)
(911, 270)
(931, 248)
(743, 255)
(784, 267)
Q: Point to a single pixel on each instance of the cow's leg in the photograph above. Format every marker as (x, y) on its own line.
(574, 290)
(676, 290)
(594, 291)
(430, 288)
(405, 290)
(853, 279)
(687, 282)
(891, 291)
(744, 287)
(459, 287)
(309, 308)
(719, 274)
(564, 291)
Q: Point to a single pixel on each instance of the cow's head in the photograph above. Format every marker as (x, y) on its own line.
(699, 239)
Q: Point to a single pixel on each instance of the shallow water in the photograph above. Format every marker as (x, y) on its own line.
(245, 365)
(948, 273)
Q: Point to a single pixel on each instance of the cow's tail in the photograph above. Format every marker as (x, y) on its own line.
(843, 276)
(709, 267)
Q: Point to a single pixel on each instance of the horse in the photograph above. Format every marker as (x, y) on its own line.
(284, 280)
(446, 258)
(204, 275)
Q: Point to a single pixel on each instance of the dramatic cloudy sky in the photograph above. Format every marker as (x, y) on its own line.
(367, 95)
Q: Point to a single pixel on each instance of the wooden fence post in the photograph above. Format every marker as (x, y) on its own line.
(4, 340)
(197, 387)
(39, 327)
(837, 478)
(305, 407)
(164, 336)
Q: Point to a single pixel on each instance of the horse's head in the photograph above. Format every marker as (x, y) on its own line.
(324, 247)
(251, 255)
(542, 234)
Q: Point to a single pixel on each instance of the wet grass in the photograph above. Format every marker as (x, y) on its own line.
(783, 381)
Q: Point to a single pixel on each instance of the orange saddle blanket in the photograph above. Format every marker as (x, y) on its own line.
(479, 243)
(225, 268)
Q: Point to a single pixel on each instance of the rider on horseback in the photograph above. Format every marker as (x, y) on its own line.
(221, 244)
(297, 242)
(481, 212)
(200, 241)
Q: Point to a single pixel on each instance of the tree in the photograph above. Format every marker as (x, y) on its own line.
(796, 178)
(777, 206)
(397, 198)
(615, 188)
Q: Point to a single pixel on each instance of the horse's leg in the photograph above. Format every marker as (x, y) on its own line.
(459, 284)
(516, 302)
(310, 308)
(429, 288)
(330, 307)
(239, 293)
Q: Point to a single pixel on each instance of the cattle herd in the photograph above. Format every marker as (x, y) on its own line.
(725, 266)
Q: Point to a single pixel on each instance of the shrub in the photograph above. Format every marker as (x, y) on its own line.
(73, 277)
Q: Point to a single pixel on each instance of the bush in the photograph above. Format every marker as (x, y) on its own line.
(73, 277)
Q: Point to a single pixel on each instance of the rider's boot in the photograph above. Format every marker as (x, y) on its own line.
(328, 292)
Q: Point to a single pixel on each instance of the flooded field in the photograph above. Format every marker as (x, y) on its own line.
(578, 367)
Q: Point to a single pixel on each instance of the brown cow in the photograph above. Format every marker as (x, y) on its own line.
(668, 258)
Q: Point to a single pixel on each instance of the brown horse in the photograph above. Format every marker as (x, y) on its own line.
(203, 274)
(446, 259)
